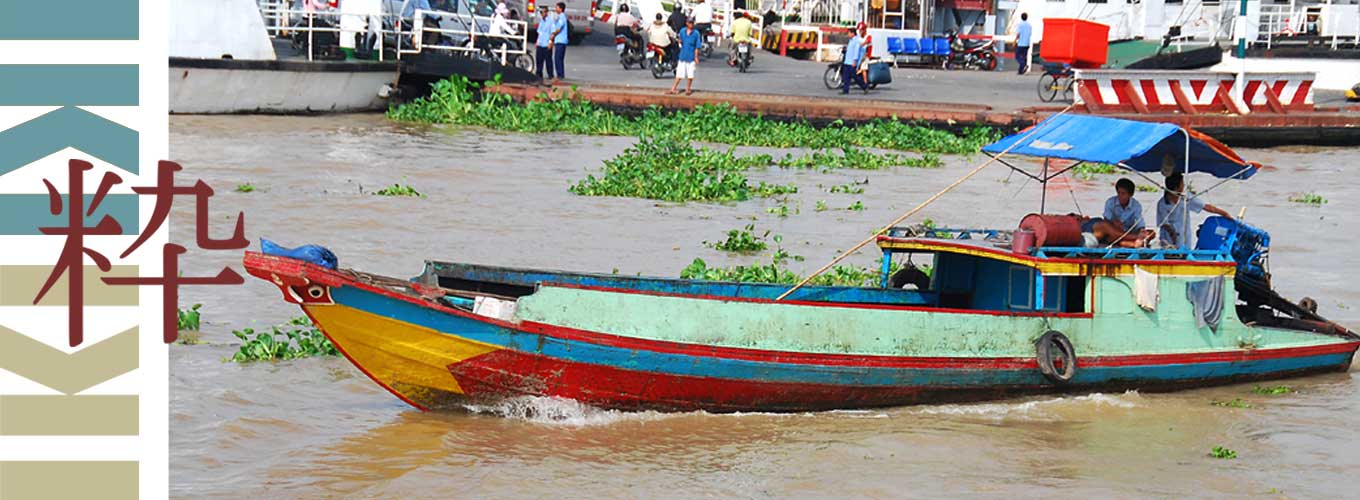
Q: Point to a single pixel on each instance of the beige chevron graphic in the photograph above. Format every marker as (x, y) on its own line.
(68, 373)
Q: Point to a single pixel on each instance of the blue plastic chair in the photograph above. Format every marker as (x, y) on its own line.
(911, 46)
(895, 46)
(941, 46)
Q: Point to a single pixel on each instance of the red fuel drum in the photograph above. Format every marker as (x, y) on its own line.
(1053, 230)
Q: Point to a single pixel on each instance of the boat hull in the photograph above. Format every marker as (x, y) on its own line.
(435, 356)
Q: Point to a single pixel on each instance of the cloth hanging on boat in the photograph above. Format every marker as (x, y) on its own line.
(1207, 298)
(1145, 290)
(315, 254)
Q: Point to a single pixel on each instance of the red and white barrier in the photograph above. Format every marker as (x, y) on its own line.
(1191, 92)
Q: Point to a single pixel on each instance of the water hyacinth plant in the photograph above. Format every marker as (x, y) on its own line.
(461, 102)
(398, 189)
(189, 318)
(298, 338)
(671, 170)
(742, 240)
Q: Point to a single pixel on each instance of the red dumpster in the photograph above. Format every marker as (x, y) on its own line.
(1083, 44)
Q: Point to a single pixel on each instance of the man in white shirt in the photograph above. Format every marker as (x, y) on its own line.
(703, 17)
(1172, 219)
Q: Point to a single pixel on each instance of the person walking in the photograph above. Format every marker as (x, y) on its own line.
(543, 47)
(854, 53)
(1023, 33)
(560, 41)
(690, 41)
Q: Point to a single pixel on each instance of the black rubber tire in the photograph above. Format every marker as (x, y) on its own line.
(1060, 365)
(657, 71)
(525, 62)
(1048, 87)
(832, 78)
(988, 62)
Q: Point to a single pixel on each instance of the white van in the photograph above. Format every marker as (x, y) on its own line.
(580, 14)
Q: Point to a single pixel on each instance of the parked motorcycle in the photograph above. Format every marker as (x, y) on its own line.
(630, 51)
(744, 56)
(832, 77)
(659, 61)
(969, 54)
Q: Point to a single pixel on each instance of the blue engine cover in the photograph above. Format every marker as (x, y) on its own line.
(1248, 245)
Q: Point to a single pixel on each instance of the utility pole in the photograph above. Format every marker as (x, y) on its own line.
(1239, 86)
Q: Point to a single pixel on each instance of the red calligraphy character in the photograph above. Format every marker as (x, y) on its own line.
(170, 283)
(70, 261)
(165, 190)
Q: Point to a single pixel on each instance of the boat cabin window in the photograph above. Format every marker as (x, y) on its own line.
(968, 282)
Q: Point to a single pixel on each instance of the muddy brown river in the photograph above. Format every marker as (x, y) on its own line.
(318, 428)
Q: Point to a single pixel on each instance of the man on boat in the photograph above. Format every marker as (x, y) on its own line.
(1123, 208)
(1100, 233)
(1172, 219)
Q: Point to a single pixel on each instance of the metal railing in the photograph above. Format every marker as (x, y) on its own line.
(475, 39)
(392, 34)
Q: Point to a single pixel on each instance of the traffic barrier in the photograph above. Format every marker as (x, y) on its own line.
(1191, 92)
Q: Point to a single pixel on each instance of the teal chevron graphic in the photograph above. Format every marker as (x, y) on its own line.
(68, 85)
(68, 127)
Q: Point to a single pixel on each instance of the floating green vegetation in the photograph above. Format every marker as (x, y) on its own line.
(856, 158)
(1272, 390)
(775, 272)
(399, 189)
(781, 211)
(671, 170)
(298, 338)
(1144, 188)
(245, 188)
(189, 318)
(1313, 199)
(849, 188)
(764, 190)
(857, 206)
(1089, 171)
(821, 206)
(742, 240)
(458, 101)
(1235, 403)
(1222, 453)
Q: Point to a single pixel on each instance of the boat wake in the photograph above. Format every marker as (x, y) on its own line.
(560, 411)
(1038, 409)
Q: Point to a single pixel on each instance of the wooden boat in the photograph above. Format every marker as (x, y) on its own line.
(989, 321)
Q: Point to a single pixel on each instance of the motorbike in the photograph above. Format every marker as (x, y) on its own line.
(969, 54)
(832, 77)
(630, 51)
(743, 57)
(660, 62)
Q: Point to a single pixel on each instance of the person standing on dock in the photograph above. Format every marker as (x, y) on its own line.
(543, 47)
(1023, 34)
(690, 41)
(1122, 208)
(560, 41)
(1172, 218)
(854, 54)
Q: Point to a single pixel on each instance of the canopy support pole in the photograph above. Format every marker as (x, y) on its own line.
(913, 211)
(1043, 188)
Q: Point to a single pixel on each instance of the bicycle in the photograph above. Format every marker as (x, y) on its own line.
(1056, 78)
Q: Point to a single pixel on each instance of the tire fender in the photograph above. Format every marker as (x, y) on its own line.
(1056, 357)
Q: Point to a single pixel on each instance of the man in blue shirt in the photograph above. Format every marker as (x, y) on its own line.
(1023, 32)
(1125, 210)
(854, 54)
(559, 37)
(543, 48)
(690, 41)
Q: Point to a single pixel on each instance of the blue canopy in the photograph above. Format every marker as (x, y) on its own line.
(1141, 146)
